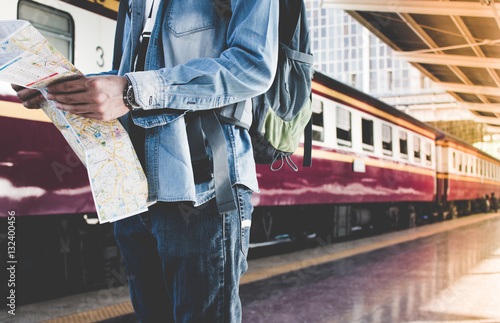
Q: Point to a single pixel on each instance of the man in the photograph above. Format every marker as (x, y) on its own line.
(184, 257)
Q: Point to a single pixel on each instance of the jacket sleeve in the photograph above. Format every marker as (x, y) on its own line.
(244, 70)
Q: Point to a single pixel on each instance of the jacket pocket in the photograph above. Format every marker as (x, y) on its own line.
(154, 118)
(188, 16)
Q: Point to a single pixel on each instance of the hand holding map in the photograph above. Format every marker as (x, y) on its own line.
(98, 97)
(118, 183)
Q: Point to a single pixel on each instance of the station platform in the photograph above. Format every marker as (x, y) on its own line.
(443, 272)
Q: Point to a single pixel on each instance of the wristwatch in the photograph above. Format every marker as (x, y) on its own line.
(129, 97)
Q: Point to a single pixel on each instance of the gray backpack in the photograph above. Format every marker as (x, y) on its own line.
(282, 114)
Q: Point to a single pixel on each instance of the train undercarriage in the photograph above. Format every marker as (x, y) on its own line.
(276, 224)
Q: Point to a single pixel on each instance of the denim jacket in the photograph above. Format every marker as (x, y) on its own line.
(200, 57)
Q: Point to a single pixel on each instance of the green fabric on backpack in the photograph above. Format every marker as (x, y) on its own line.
(285, 135)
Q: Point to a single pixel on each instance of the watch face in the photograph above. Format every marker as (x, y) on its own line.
(131, 97)
(128, 97)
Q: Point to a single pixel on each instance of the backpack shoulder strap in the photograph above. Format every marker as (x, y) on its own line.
(308, 133)
(217, 141)
(120, 25)
(205, 124)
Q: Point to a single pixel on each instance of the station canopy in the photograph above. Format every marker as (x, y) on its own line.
(455, 43)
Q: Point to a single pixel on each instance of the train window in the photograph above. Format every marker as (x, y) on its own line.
(343, 127)
(466, 161)
(55, 25)
(367, 133)
(318, 121)
(477, 166)
(460, 162)
(472, 165)
(387, 139)
(416, 148)
(454, 160)
(403, 144)
(428, 152)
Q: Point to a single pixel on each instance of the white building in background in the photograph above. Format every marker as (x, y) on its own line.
(348, 52)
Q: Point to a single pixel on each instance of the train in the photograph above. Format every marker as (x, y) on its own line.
(374, 168)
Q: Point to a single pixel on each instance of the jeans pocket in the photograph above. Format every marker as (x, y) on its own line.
(188, 16)
(245, 209)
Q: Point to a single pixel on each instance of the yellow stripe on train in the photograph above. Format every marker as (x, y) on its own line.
(16, 110)
(466, 178)
(108, 4)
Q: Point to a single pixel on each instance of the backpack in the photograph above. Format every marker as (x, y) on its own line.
(283, 113)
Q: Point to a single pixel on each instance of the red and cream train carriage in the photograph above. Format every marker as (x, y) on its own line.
(39, 174)
(373, 165)
(465, 176)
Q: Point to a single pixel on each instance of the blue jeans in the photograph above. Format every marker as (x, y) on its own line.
(183, 263)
